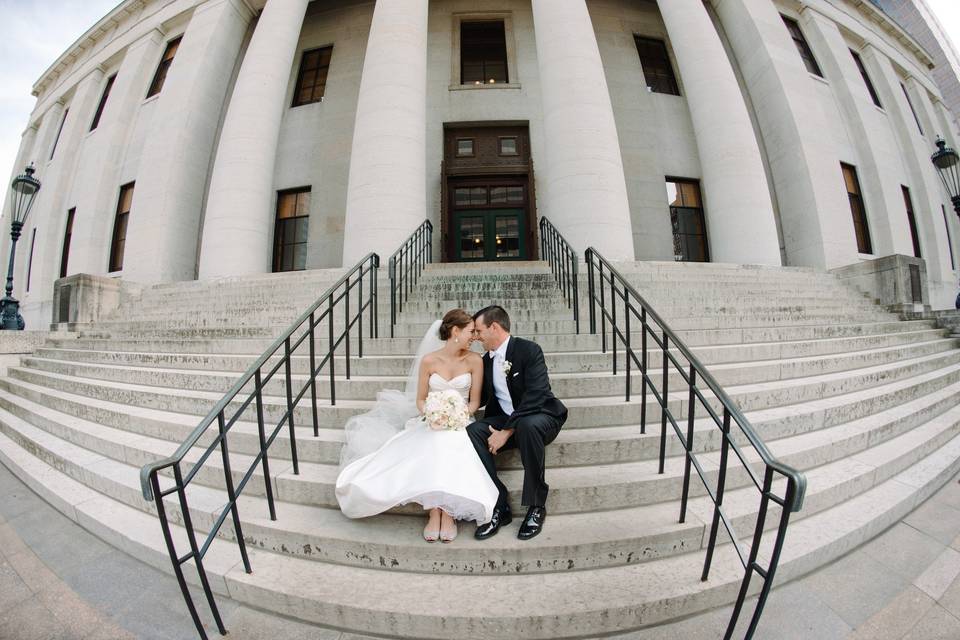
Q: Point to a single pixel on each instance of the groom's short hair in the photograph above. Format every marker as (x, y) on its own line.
(493, 313)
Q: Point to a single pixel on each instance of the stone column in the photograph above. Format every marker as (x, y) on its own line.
(99, 176)
(168, 199)
(386, 189)
(238, 223)
(580, 182)
(49, 212)
(814, 210)
(739, 213)
(877, 155)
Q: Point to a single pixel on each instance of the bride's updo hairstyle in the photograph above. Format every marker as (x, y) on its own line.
(451, 319)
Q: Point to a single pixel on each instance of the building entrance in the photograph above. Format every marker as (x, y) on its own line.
(488, 204)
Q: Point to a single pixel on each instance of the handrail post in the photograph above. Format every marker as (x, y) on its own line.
(331, 352)
(290, 422)
(313, 378)
(231, 493)
(688, 445)
(644, 370)
(721, 486)
(392, 272)
(576, 294)
(665, 402)
(591, 294)
(261, 433)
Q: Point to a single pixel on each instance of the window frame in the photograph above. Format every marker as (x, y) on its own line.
(279, 247)
(56, 140)
(67, 238)
(803, 47)
(864, 241)
(912, 221)
(103, 102)
(916, 117)
(506, 53)
(33, 244)
(866, 79)
(163, 67)
(653, 78)
(121, 221)
(700, 212)
(473, 148)
(302, 71)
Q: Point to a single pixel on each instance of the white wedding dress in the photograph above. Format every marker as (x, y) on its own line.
(423, 466)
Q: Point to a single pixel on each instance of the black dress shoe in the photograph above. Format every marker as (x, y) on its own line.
(533, 523)
(501, 517)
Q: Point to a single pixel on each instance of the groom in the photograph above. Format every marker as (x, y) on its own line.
(521, 412)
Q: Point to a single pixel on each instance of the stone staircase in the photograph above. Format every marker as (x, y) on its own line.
(866, 405)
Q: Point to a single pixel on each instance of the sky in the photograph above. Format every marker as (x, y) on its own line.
(34, 34)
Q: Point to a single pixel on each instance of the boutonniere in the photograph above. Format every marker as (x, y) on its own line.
(506, 367)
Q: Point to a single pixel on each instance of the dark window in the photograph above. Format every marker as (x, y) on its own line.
(906, 94)
(103, 102)
(508, 146)
(657, 70)
(290, 235)
(465, 147)
(120, 227)
(808, 60)
(67, 235)
(33, 243)
(686, 217)
(59, 131)
(946, 225)
(163, 68)
(856, 208)
(866, 78)
(312, 79)
(483, 52)
(912, 219)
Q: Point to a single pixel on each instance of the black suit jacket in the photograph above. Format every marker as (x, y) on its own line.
(528, 383)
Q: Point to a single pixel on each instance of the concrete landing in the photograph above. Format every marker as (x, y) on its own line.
(59, 582)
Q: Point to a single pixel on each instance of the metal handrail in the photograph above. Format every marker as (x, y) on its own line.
(406, 265)
(309, 320)
(635, 307)
(563, 260)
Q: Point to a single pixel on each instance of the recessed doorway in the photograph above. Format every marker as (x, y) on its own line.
(488, 204)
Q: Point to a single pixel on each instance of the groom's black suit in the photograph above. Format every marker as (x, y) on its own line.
(536, 419)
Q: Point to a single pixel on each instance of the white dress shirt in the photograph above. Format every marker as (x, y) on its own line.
(500, 378)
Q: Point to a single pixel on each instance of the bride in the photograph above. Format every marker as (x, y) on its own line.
(392, 457)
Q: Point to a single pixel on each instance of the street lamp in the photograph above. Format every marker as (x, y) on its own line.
(25, 188)
(947, 163)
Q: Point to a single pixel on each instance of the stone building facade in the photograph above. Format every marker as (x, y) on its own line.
(183, 139)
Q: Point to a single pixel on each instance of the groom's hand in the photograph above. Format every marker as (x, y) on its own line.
(497, 439)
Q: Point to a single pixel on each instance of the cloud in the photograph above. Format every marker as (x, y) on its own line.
(32, 36)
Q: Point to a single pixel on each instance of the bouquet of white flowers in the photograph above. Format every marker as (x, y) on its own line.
(445, 411)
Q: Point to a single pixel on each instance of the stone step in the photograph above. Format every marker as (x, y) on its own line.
(582, 342)
(558, 362)
(575, 490)
(578, 443)
(565, 385)
(370, 601)
(585, 411)
(581, 541)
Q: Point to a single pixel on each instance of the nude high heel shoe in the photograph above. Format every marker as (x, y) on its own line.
(448, 533)
(431, 534)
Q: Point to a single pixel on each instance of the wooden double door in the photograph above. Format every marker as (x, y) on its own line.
(488, 212)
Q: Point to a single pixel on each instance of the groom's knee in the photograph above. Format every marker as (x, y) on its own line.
(478, 431)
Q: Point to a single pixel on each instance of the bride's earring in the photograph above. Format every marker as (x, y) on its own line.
(456, 340)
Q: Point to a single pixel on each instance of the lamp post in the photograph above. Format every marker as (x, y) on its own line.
(947, 163)
(25, 188)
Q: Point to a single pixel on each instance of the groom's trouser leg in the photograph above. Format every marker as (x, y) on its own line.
(533, 433)
(479, 432)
